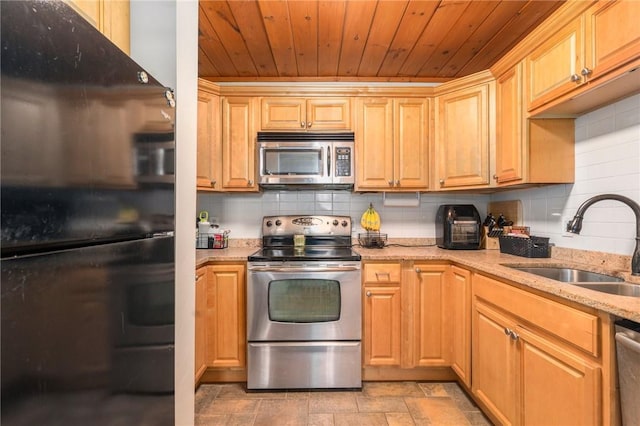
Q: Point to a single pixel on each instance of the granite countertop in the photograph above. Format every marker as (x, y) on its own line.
(491, 262)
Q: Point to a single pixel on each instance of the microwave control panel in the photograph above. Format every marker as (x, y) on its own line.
(343, 161)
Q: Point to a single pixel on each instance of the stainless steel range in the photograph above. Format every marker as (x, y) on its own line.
(304, 305)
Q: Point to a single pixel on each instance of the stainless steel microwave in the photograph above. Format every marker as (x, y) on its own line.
(305, 160)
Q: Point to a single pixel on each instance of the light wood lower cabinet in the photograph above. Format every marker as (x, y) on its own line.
(458, 310)
(408, 322)
(527, 375)
(221, 322)
(382, 314)
(201, 323)
(431, 317)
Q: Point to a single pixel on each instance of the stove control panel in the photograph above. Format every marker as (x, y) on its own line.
(306, 225)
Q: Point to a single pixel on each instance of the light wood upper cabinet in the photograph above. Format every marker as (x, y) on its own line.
(208, 166)
(111, 18)
(201, 324)
(226, 312)
(529, 151)
(554, 67)
(392, 149)
(509, 121)
(586, 50)
(312, 114)
(614, 34)
(382, 314)
(465, 130)
(238, 144)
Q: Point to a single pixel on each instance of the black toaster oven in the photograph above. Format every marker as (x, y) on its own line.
(458, 227)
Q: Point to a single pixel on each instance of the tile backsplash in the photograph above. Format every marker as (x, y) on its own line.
(607, 161)
(242, 213)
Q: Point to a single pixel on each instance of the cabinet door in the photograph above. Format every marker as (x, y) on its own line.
(557, 387)
(411, 144)
(201, 324)
(283, 113)
(431, 318)
(553, 68)
(329, 114)
(614, 34)
(382, 325)
(463, 145)
(111, 18)
(374, 144)
(226, 313)
(509, 134)
(238, 144)
(459, 328)
(208, 161)
(495, 364)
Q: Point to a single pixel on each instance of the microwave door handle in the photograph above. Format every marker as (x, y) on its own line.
(329, 161)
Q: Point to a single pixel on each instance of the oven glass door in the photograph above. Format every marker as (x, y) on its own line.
(304, 300)
(299, 305)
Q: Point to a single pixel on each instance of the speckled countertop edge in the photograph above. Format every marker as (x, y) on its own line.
(488, 261)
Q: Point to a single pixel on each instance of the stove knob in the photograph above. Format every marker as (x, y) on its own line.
(278, 222)
(335, 222)
(345, 223)
(269, 223)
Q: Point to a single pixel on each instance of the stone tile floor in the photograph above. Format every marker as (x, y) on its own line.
(378, 403)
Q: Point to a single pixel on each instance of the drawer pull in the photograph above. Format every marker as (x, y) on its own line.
(368, 294)
(383, 274)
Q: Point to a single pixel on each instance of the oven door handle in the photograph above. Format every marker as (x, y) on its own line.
(303, 269)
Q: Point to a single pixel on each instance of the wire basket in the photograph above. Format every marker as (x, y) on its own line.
(218, 240)
(372, 239)
(525, 247)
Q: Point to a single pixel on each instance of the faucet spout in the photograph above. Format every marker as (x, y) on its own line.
(575, 225)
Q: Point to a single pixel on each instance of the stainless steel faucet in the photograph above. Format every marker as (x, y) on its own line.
(575, 225)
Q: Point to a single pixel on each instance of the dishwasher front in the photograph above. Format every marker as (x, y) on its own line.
(628, 356)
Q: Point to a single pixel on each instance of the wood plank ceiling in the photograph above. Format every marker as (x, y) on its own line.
(359, 40)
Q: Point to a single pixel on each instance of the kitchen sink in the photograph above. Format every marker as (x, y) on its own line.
(590, 280)
(620, 289)
(568, 275)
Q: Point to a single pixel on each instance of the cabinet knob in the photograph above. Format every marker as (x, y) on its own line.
(576, 78)
(368, 293)
(213, 182)
(390, 183)
(495, 177)
(303, 124)
(507, 331)
(250, 182)
(397, 183)
(309, 125)
(586, 72)
(441, 181)
(418, 270)
(514, 336)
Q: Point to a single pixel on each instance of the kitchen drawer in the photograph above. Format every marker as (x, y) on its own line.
(382, 272)
(572, 325)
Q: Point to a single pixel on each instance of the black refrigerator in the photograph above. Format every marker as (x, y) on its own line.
(87, 221)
